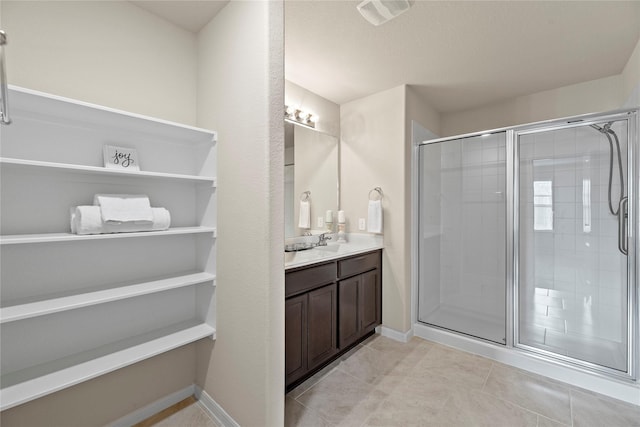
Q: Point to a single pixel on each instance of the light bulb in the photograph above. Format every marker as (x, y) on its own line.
(313, 118)
(303, 115)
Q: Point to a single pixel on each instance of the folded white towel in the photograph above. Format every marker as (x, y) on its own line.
(88, 220)
(124, 207)
(375, 216)
(304, 219)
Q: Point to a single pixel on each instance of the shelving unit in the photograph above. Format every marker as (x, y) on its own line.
(18, 239)
(41, 380)
(57, 304)
(75, 307)
(64, 167)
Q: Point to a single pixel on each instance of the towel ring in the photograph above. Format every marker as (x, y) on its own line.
(305, 196)
(374, 191)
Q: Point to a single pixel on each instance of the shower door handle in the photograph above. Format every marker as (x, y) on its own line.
(623, 242)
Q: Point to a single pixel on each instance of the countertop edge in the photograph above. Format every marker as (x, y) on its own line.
(331, 257)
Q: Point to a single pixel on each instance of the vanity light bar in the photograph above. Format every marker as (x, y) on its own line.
(299, 116)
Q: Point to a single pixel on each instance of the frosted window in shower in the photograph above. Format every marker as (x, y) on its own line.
(462, 236)
(586, 205)
(542, 205)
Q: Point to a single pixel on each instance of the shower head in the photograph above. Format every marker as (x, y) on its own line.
(606, 128)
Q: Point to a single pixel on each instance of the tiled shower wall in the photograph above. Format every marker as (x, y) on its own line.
(464, 189)
(572, 276)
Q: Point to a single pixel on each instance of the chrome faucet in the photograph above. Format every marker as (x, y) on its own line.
(322, 239)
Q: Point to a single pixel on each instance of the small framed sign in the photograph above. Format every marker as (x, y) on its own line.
(121, 158)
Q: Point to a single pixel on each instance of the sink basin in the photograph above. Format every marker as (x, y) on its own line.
(328, 248)
(297, 247)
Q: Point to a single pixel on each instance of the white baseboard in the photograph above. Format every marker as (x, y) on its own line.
(216, 411)
(154, 407)
(395, 335)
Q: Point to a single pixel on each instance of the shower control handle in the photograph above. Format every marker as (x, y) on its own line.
(623, 242)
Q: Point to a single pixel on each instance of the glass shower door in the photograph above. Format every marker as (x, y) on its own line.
(572, 281)
(462, 248)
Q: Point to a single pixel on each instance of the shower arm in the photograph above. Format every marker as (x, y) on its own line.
(4, 90)
(607, 131)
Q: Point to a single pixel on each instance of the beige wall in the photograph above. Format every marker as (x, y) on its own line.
(631, 79)
(372, 155)
(588, 97)
(608, 93)
(327, 111)
(419, 110)
(110, 53)
(428, 120)
(376, 151)
(243, 97)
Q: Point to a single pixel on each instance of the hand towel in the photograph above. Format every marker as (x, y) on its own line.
(124, 207)
(88, 220)
(85, 218)
(304, 219)
(375, 216)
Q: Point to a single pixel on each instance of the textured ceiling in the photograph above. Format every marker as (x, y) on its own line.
(458, 54)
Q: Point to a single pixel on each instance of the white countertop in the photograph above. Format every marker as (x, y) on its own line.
(356, 244)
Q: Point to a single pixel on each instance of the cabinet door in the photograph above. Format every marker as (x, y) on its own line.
(322, 342)
(369, 301)
(349, 325)
(295, 320)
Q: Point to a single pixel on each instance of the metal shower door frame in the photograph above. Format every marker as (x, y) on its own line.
(417, 206)
(513, 240)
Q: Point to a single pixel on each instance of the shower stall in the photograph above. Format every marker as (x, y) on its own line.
(528, 240)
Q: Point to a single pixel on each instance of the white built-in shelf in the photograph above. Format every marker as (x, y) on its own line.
(38, 105)
(63, 324)
(32, 383)
(6, 162)
(55, 305)
(20, 239)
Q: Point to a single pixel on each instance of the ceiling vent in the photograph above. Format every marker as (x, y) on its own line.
(380, 11)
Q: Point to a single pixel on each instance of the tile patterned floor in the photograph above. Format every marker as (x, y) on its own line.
(385, 383)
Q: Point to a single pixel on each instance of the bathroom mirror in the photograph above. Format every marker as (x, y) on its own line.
(311, 164)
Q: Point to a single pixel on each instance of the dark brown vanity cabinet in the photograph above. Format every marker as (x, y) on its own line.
(310, 319)
(359, 296)
(329, 307)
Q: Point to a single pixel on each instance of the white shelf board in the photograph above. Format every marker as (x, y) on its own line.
(32, 103)
(17, 239)
(32, 383)
(66, 167)
(55, 305)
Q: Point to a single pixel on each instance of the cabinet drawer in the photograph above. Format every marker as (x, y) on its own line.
(309, 278)
(358, 264)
